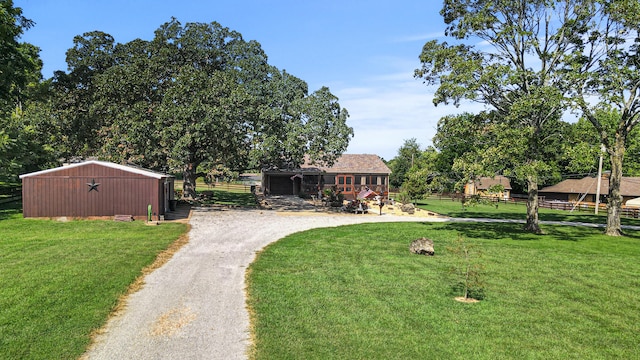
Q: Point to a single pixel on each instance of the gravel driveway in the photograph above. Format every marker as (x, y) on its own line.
(193, 307)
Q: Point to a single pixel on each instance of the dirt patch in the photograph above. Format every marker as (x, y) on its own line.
(465, 300)
(169, 323)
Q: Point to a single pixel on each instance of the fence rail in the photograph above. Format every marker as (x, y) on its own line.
(10, 193)
(238, 187)
(628, 212)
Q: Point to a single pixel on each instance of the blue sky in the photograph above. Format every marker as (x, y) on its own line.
(364, 51)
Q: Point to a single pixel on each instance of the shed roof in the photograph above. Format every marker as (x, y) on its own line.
(629, 186)
(484, 183)
(353, 163)
(127, 168)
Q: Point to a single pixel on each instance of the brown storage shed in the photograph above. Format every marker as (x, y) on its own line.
(96, 188)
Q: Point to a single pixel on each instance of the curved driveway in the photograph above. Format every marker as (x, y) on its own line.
(193, 307)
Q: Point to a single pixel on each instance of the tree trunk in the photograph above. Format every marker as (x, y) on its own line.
(189, 180)
(532, 224)
(614, 203)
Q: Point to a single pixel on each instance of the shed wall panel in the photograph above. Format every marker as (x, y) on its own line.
(53, 196)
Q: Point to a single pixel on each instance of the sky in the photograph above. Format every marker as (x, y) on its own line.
(364, 51)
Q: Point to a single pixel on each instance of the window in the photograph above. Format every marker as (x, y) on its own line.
(345, 183)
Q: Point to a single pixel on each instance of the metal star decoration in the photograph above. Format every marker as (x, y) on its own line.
(93, 185)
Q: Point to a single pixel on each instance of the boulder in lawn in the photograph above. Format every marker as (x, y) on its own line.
(422, 246)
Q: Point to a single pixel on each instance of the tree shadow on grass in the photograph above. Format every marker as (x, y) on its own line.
(492, 231)
(229, 198)
(511, 231)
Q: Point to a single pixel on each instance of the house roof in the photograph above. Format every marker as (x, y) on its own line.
(484, 183)
(353, 163)
(131, 169)
(629, 186)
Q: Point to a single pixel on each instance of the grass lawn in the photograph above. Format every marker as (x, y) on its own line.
(223, 193)
(60, 280)
(512, 211)
(229, 197)
(355, 292)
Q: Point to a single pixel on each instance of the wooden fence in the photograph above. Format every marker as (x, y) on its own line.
(543, 203)
(234, 187)
(10, 193)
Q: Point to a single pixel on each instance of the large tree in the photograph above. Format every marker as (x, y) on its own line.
(608, 66)
(408, 155)
(75, 117)
(508, 54)
(22, 146)
(458, 137)
(485, 145)
(18, 61)
(196, 95)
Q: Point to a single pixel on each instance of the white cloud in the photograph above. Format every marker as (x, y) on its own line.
(390, 110)
(419, 37)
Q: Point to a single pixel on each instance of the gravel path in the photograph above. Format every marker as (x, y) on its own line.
(193, 307)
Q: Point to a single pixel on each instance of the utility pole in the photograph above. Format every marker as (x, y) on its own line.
(602, 149)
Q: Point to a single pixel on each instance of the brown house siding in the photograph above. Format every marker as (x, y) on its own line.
(346, 175)
(65, 192)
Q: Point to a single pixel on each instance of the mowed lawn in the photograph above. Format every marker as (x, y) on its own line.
(355, 292)
(515, 211)
(60, 280)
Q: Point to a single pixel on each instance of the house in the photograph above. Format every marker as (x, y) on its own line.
(573, 190)
(350, 174)
(96, 189)
(482, 186)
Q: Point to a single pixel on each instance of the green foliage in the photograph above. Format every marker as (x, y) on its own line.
(75, 107)
(606, 71)
(583, 146)
(196, 94)
(415, 185)
(404, 197)
(19, 62)
(334, 197)
(23, 146)
(408, 154)
(475, 200)
(459, 136)
(526, 93)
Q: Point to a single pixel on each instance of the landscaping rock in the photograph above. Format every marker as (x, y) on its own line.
(422, 246)
(265, 205)
(408, 208)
